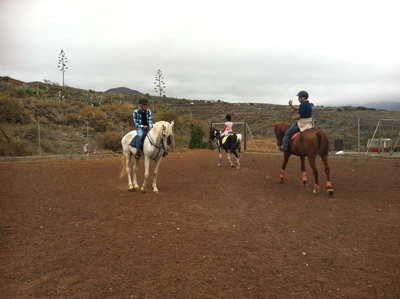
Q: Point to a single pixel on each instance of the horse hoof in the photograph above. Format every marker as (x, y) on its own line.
(330, 192)
(238, 167)
(131, 189)
(316, 191)
(232, 165)
(219, 165)
(143, 190)
(304, 184)
(156, 192)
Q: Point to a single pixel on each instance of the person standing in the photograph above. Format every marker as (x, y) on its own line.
(143, 119)
(303, 117)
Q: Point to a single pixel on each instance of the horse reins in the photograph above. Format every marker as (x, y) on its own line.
(161, 147)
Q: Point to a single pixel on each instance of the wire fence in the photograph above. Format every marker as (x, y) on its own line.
(362, 136)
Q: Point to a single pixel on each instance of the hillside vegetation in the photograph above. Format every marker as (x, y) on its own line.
(62, 115)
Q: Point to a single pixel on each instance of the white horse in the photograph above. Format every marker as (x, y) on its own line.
(155, 146)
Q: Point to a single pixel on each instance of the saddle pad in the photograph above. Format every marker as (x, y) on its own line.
(133, 141)
(294, 136)
(224, 139)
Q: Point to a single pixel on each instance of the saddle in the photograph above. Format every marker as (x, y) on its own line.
(223, 139)
(293, 137)
(133, 141)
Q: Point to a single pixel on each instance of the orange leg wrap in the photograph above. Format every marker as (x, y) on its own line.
(304, 177)
(282, 174)
(316, 187)
(329, 185)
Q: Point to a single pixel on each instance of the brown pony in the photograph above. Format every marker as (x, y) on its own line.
(308, 143)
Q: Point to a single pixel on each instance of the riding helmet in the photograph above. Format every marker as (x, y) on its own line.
(303, 94)
(144, 101)
(228, 117)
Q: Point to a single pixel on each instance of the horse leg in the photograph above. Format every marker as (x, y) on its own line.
(237, 159)
(303, 171)
(135, 170)
(285, 160)
(315, 172)
(146, 173)
(155, 174)
(127, 164)
(327, 172)
(220, 157)
(229, 158)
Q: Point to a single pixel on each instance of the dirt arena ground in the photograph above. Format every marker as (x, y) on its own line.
(71, 229)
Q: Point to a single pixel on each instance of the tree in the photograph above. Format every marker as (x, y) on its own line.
(160, 85)
(62, 63)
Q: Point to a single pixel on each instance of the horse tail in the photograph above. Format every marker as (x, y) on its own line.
(123, 165)
(323, 141)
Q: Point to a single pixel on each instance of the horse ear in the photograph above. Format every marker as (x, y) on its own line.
(172, 123)
(274, 125)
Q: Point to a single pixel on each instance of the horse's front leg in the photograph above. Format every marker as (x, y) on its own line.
(303, 171)
(228, 154)
(285, 160)
(155, 174)
(315, 172)
(146, 173)
(220, 157)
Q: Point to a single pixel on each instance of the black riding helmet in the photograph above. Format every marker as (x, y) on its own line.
(303, 94)
(144, 101)
(228, 117)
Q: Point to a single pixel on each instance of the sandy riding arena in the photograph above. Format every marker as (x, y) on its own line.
(71, 229)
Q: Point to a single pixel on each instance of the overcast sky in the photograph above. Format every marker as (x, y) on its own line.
(341, 52)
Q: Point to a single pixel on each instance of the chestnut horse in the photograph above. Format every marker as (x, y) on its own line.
(308, 143)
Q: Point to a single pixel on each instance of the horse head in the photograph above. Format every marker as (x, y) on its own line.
(214, 133)
(166, 133)
(280, 130)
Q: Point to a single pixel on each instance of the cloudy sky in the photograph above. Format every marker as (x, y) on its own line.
(341, 52)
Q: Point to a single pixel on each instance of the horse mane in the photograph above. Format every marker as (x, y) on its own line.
(158, 126)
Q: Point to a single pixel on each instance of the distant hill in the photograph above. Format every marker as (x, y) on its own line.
(123, 90)
(390, 106)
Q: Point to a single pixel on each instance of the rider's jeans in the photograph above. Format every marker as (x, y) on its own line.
(288, 135)
(140, 132)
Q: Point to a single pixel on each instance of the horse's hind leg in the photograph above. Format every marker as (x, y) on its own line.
(127, 157)
(229, 158)
(315, 172)
(135, 170)
(303, 171)
(329, 186)
(237, 159)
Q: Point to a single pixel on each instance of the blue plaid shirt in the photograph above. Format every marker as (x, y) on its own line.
(137, 118)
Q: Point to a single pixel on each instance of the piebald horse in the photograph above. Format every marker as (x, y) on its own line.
(155, 146)
(231, 144)
(308, 143)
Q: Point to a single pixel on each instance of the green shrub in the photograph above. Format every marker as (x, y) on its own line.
(196, 136)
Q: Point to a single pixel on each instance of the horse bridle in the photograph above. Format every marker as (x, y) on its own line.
(162, 146)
